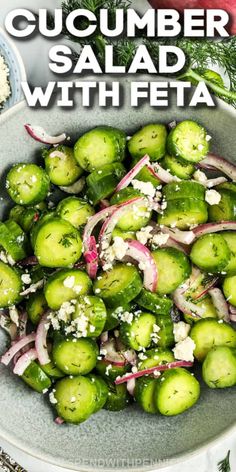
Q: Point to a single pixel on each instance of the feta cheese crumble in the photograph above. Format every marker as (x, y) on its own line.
(183, 351)
(199, 176)
(181, 331)
(26, 279)
(144, 234)
(144, 187)
(160, 239)
(213, 197)
(69, 282)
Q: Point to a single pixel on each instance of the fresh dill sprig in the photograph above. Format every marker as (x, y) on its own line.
(224, 465)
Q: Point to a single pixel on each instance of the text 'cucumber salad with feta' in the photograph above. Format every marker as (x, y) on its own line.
(114, 292)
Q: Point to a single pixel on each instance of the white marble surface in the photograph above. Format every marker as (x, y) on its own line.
(35, 56)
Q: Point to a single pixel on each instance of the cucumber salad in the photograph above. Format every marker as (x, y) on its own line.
(118, 270)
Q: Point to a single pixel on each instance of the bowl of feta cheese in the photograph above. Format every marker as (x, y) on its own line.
(12, 73)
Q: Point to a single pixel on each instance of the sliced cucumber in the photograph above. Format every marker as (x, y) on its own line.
(38, 224)
(75, 210)
(52, 371)
(177, 391)
(185, 189)
(103, 181)
(75, 356)
(10, 285)
(75, 399)
(119, 285)
(65, 240)
(219, 367)
(155, 357)
(36, 306)
(165, 335)
(111, 371)
(230, 186)
(66, 285)
(188, 141)
(123, 234)
(102, 391)
(27, 184)
(13, 240)
(173, 269)
(209, 310)
(211, 253)
(154, 303)
(208, 333)
(36, 378)
(144, 392)
(16, 213)
(139, 333)
(184, 213)
(178, 167)
(226, 208)
(118, 397)
(28, 218)
(98, 147)
(229, 285)
(146, 175)
(61, 166)
(136, 217)
(151, 140)
(93, 310)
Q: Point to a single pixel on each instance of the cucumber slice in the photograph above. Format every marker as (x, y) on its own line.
(103, 181)
(144, 392)
(110, 371)
(66, 285)
(123, 234)
(146, 175)
(93, 310)
(211, 253)
(38, 224)
(10, 285)
(16, 212)
(28, 218)
(75, 210)
(52, 371)
(61, 166)
(165, 335)
(102, 391)
(13, 240)
(35, 377)
(75, 356)
(154, 303)
(226, 208)
(113, 316)
(65, 240)
(119, 285)
(185, 189)
(230, 186)
(75, 399)
(155, 357)
(118, 397)
(184, 213)
(98, 147)
(151, 140)
(219, 367)
(209, 310)
(173, 269)
(188, 141)
(177, 391)
(139, 333)
(229, 285)
(208, 333)
(135, 218)
(178, 167)
(27, 184)
(36, 306)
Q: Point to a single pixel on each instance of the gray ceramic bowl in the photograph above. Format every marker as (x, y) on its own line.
(129, 440)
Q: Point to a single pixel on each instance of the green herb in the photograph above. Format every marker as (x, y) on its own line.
(66, 239)
(224, 466)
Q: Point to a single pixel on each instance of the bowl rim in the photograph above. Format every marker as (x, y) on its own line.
(178, 458)
(18, 56)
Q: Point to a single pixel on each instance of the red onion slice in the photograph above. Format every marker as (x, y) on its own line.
(104, 337)
(110, 223)
(214, 228)
(91, 257)
(184, 237)
(219, 163)
(132, 173)
(41, 340)
(56, 153)
(8, 326)
(213, 182)
(24, 361)
(152, 370)
(59, 421)
(131, 386)
(75, 188)
(8, 356)
(162, 174)
(28, 261)
(92, 223)
(220, 304)
(172, 243)
(186, 306)
(104, 204)
(144, 258)
(113, 356)
(39, 134)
